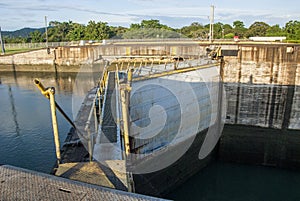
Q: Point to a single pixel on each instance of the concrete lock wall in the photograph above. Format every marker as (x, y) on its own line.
(261, 87)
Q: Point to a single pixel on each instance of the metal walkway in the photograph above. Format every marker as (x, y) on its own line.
(25, 185)
(109, 126)
(108, 145)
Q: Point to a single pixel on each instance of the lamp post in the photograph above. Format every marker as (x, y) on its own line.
(46, 31)
(211, 27)
(223, 31)
(1, 43)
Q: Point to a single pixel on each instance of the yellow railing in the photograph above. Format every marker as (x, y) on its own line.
(49, 93)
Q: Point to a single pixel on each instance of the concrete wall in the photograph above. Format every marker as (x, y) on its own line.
(260, 146)
(263, 97)
(173, 107)
(262, 86)
(161, 182)
(86, 54)
(60, 56)
(37, 57)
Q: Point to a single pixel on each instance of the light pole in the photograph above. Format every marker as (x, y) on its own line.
(211, 27)
(223, 32)
(46, 31)
(2, 44)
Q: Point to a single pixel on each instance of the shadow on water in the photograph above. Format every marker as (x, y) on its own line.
(222, 181)
(14, 71)
(13, 109)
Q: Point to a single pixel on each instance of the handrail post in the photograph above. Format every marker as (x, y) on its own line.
(125, 99)
(51, 92)
(124, 104)
(90, 149)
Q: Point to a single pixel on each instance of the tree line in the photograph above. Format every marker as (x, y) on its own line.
(96, 31)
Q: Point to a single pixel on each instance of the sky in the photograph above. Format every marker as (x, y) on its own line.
(17, 14)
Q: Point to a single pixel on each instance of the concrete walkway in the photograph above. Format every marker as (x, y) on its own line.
(20, 184)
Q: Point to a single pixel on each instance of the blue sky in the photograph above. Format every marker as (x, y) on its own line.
(16, 14)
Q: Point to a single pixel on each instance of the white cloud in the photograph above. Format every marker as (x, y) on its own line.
(30, 13)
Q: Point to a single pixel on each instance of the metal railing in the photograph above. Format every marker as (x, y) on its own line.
(93, 116)
(91, 133)
(37, 45)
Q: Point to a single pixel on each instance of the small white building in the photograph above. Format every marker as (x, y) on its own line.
(268, 38)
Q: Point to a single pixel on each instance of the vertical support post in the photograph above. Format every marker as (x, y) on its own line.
(46, 31)
(90, 143)
(91, 139)
(129, 76)
(220, 96)
(96, 119)
(54, 123)
(211, 27)
(2, 44)
(122, 65)
(125, 94)
(125, 101)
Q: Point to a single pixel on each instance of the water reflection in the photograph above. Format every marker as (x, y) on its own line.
(13, 109)
(63, 82)
(25, 128)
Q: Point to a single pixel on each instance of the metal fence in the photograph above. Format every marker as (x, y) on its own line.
(107, 41)
(36, 45)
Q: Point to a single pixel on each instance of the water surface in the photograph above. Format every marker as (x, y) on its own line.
(233, 182)
(26, 138)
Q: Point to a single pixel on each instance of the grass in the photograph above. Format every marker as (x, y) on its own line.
(293, 41)
(16, 51)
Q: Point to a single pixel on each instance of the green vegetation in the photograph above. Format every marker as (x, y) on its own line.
(72, 31)
(19, 50)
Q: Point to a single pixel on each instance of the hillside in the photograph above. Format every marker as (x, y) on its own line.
(22, 32)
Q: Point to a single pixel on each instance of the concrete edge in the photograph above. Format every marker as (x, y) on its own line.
(52, 177)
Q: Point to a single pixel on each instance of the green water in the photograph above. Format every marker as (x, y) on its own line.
(233, 182)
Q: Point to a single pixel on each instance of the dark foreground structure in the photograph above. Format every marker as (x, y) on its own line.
(24, 185)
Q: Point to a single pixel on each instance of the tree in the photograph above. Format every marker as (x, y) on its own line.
(70, 31)
(150, 33)
(118, 31)
(218, 30)
(154, 24)
(97, 31)
(36, 37)
(76, 32)
(58, 31)
(227, 29)
(292, 29)
(239, 28)
(238, 24)
(275, 30)
(135, 26)
(257, 29)
(195, 30)
(149, 29)
(229, 36)
(18, 39)
(150, 24)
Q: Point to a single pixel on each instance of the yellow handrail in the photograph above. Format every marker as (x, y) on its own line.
(49, 93)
